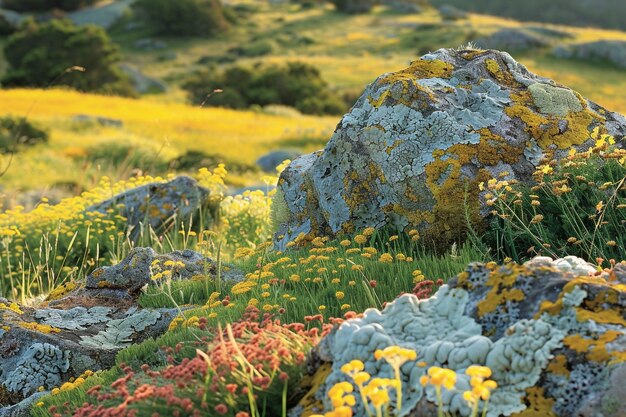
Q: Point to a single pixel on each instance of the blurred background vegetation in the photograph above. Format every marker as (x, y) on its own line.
(127, 87)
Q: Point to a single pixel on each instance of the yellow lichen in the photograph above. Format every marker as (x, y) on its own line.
(11, 307)
(309, 403)
(61, 291)
(558, 366)
(538, 404)
(421, 69)
(500, 282)
(595, 349)
(41, 328)
(546, 130)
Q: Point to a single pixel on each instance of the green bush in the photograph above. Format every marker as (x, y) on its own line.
(6, 28)
(42, 5)
(296, 84)
(16, 132)
(577, 207)
(183, 17)
(354, 6)
(40, 54)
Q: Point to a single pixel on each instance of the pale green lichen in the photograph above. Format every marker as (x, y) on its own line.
(42, 365)
(443, 335)
(554, 101)
(119, 332)
(74, 319)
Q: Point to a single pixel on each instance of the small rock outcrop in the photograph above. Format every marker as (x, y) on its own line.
(512, 40)
(81, 328)
(413, 150)
(271, 160)
(553, 335)
(605, 50)
(159, 205)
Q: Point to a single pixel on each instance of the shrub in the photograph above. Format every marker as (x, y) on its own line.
(296, 84)
(42, 5)
(39, 54)
(354, 6)
(16, 132)
(184, 17)
(576, 208)
(6, 27)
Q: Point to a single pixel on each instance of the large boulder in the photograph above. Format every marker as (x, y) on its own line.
(552, 332)
(415, 147)
(81, 328)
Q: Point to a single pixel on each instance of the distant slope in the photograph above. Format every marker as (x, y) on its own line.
(597, 13)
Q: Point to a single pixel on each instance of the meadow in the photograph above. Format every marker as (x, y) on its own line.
(288, 300)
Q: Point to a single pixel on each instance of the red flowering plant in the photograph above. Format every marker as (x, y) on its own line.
(244, 371)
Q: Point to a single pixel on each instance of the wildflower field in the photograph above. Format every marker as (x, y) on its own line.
(256, 347)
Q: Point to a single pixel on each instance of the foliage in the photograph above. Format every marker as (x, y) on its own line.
(17, 132)
(249, 365)
(295, 84)
(43, 5)
(577, 207)
(58, 52)
(354, 6)
(599, 13)
(184, 17)
(6, 27)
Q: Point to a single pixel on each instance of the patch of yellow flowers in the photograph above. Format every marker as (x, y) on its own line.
(375, 391)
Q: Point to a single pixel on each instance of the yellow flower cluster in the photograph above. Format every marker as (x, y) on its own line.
(481, 388)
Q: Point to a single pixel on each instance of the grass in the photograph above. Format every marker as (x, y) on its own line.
(312, 284)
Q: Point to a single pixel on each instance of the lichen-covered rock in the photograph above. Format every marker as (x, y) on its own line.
(81, 328)
(605, 50)
(403, 6)
(512, 40)
(553, 337)
(143, 266)
(415, 147)
(158, 205)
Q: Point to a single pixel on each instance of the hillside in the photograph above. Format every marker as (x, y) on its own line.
(349, 51)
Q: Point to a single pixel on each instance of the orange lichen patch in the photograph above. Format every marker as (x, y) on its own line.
(309, 403)
(604, 316)
(97, 272)
(471, 54)
(500, 282)
(11, 307)
(462, 278)
(546, 130)
(421, 69)
(558, 366)
(41, 328)
(595, 349)
(503, 75)
(538, 404)
(61, 290)
(449, 187)
(608, 296)
(104, 284)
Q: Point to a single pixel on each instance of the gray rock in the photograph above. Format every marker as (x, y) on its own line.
(149, 44)
(159, 205)
(103, 121)
(271, 160)
(418, 140)
(142, 83)
(13, 17)
(527, 323)
(82, 328)
(512, 40)
(549, 32)
(403, 6)
(609, 51)
(449, 12)
(104, 15)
